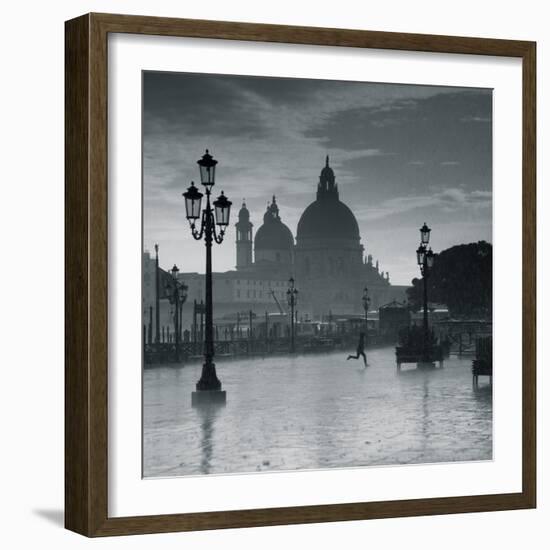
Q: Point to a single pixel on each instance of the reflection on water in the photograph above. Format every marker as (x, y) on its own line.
(425, 413)
(315, 411)
(207, 415)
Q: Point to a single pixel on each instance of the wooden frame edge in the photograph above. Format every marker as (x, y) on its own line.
(529, 274)
(262, 517)
(86, 280)
(77, 387)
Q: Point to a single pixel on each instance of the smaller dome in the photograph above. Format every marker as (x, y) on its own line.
(276, 237)
(273, 234)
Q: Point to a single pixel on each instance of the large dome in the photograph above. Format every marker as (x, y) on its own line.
(273, 234)
(327, 217)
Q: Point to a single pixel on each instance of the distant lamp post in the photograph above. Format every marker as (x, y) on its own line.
(209, 386)
(177, 296)
(366, 305)
(425, 260)
(157, 297)
(292, 299)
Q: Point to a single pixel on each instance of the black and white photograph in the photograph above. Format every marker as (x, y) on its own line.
(259, 261)
(317, 272)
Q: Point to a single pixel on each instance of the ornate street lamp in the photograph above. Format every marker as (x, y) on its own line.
(210, 217)
(292, 299)
(177, 295)
(425, 260)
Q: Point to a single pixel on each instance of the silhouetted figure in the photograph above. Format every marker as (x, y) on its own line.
(360, 349)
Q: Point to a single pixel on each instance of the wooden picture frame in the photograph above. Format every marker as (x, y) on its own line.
(86, 281)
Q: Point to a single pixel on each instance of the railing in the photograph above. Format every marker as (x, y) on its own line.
(193, 351)
(165, 352)
(461, 336)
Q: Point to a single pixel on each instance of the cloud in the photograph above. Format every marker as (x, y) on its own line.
(473, 118)
(450, 200)
(453, 195)
(271, 135)
(482, 194)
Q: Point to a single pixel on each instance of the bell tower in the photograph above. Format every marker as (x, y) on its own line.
(244, 238)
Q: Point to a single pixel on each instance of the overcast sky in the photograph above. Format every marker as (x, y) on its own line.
(402, 155)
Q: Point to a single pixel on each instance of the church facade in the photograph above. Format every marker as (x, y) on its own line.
(326, 258)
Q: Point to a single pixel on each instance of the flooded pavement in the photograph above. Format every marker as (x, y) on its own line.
(314, 411)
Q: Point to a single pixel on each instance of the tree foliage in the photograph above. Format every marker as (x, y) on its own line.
(461, 278)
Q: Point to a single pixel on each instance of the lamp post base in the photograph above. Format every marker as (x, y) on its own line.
(208, 388)
(208, 397)
(209, 379)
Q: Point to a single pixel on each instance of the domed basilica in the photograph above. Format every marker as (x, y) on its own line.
(327, 258)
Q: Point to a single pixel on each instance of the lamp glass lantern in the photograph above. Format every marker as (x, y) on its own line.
(430, 258)
(425, 234)
(222, 208)
(175, 270)
(183, 292)
(207, 168)
(366, 299)
(420, 255)
(292, 297)
(291, 293)
(193, 198)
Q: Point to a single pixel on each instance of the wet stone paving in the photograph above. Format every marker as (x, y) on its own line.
(314, 411)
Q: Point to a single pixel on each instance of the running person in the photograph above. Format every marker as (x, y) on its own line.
(360, 349)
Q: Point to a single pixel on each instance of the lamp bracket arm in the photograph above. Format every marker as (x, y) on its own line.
(217, 238)
(198, 233)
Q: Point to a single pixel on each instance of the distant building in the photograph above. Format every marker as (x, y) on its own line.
(148, 298)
